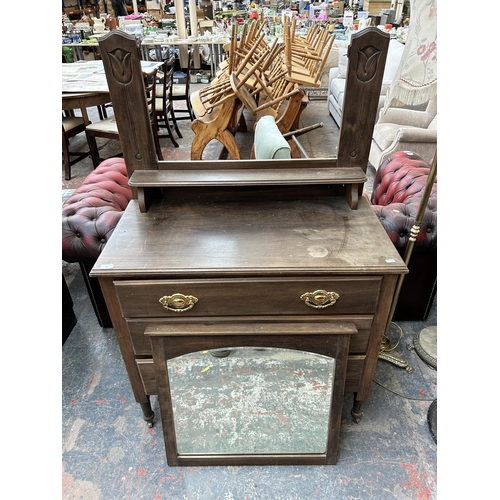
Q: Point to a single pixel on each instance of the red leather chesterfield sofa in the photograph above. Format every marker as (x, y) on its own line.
(397, 191)
(89, 217)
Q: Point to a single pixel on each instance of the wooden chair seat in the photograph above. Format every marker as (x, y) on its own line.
(108, 126)
(197, 104)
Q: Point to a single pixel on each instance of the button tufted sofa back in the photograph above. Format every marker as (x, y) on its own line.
(397, 190)
(91, 213)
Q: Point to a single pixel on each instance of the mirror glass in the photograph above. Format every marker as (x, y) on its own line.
(251, 401)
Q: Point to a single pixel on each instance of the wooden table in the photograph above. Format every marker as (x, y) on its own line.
(84, 100)
(216, 54)
(88, 86)
(84, 86)
(78, 49)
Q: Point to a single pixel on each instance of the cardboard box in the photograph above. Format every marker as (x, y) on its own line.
(88, 55)
(205, 25)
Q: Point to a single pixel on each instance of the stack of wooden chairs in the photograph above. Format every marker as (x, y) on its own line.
(305, 57)
(260, 77)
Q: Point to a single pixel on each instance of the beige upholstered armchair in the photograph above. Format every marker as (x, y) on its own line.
(402, 129)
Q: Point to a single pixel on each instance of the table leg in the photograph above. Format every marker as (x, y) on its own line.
(85, 115)
(212, 60)
(78, 53)
(158, 53)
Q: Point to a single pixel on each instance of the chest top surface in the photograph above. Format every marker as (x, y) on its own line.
(286, 238)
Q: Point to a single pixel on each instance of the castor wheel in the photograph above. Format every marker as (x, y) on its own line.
(150, 421)
(356, 417)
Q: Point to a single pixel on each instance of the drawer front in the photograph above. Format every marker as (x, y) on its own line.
(353, 375)
(142, 346)
(246, 297)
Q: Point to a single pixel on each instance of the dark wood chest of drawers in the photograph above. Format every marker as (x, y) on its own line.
(250, 263)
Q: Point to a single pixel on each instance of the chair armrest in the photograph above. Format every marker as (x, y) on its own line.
(334, 73)
(398, 219)
(401, 177)
(409, 117)
(412, 134)
(91, 213)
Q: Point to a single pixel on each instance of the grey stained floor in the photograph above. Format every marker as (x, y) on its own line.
(109, 453)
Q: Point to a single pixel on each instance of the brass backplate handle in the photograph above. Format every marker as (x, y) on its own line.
(320, 298)
(178, 302)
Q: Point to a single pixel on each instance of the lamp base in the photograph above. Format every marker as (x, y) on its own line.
(396, 359)
(388, 353)
(432, 420)
(425, 344)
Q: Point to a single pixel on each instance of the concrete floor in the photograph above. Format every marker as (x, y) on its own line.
(109, 453)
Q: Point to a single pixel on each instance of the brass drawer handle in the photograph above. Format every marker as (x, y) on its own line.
(178, 302)
(320, 298)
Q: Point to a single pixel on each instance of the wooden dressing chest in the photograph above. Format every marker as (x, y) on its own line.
(223, 265)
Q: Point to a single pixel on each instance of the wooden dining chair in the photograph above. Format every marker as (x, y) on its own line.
(71, 126)
(244, 74)
(304, 60)
(150, 82)
(164, 109)
(180, 94)
(107, 128)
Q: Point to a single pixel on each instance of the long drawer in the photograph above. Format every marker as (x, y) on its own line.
(234, 297)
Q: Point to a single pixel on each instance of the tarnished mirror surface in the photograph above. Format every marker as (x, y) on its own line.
(254, 401)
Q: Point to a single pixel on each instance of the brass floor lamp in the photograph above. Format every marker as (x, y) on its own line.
(425, 341)
(415, 82)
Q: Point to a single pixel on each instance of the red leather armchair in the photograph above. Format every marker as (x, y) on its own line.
(397, 191)
(89, 217)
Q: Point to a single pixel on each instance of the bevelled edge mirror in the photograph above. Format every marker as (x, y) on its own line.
(272, 400)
